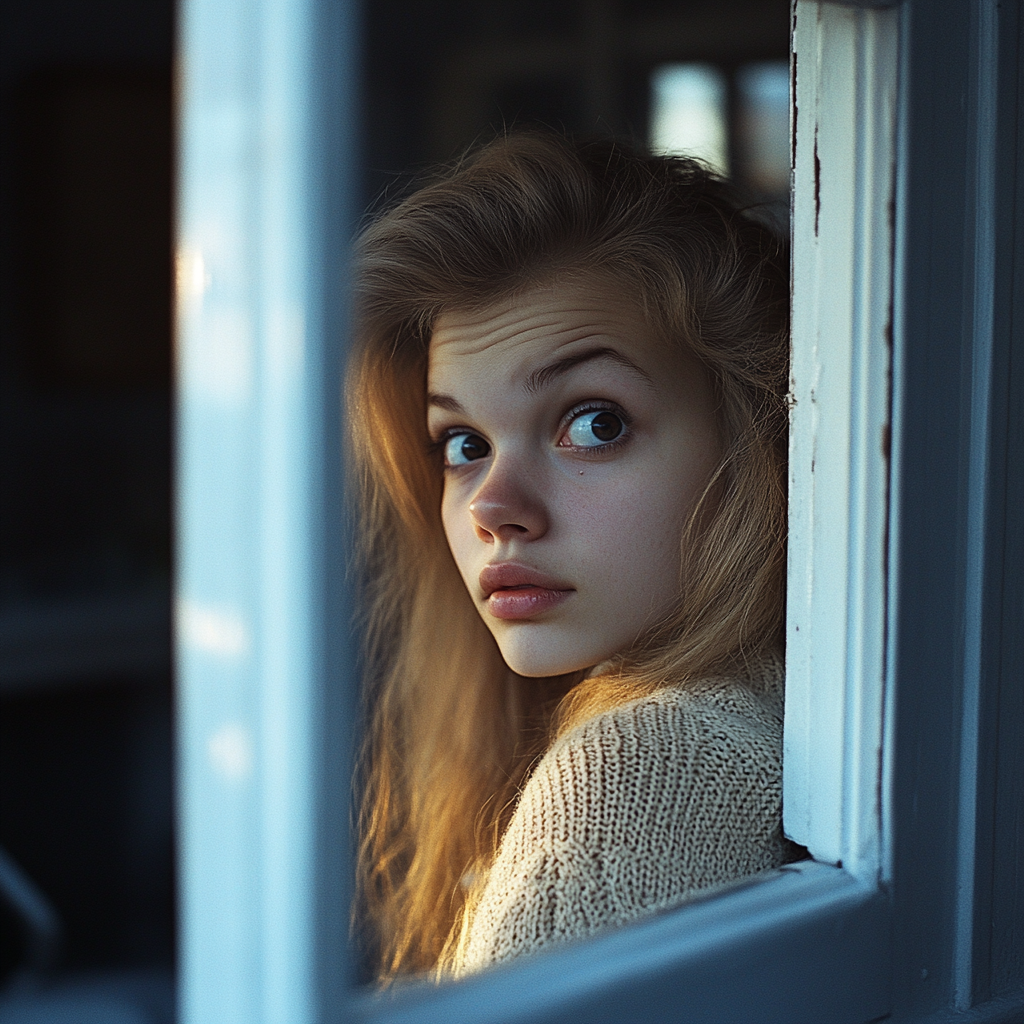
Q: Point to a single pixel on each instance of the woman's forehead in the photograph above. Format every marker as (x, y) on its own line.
(544, 321)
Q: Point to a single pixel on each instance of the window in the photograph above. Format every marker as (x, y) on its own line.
(904, 739)
(690, 114)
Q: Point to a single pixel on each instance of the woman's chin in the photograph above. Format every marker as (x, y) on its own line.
(538, 660)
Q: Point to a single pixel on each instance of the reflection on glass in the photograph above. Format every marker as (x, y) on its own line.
(688, 105)
(763, 126)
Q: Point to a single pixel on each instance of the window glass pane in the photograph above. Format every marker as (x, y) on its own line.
(441, 79)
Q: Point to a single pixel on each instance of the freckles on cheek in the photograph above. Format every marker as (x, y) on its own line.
(628, 523)
(640, 544)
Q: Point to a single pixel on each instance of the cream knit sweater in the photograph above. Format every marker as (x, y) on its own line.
(634, 811)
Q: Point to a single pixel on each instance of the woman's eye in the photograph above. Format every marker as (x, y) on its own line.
(462, 448)
(590, 429)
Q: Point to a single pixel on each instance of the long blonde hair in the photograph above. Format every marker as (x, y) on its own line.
(452, 732)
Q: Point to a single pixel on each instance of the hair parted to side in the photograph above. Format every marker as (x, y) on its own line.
(452, 732)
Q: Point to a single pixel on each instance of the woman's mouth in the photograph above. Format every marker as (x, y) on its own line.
(514, 591)
(524, 602)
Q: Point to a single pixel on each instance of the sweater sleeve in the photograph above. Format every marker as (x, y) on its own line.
(632, 812)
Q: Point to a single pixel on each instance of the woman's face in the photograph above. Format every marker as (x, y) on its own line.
(575, 446)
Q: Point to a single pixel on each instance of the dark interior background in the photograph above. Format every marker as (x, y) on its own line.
(85, 481)
(86, 156)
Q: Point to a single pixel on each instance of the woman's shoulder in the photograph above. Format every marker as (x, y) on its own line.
(744, 708)
(637, 809)
(704, 758)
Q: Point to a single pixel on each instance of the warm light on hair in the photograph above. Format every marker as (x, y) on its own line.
(452, 733)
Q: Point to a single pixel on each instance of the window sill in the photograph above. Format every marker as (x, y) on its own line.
(734, 956)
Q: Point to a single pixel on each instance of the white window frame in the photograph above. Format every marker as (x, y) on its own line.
(265, 665)
(845, 64)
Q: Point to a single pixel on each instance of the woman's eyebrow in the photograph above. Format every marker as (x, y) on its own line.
(546, 374)
(440, 401)
(543, 376)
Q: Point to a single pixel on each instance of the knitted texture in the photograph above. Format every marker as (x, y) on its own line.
(634, 811)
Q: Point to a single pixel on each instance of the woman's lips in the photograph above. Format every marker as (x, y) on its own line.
(515, 591)
(524, 602)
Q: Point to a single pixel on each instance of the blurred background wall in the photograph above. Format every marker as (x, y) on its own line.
(710, 76)
(86, 155)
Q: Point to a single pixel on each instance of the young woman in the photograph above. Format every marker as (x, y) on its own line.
(567, 406)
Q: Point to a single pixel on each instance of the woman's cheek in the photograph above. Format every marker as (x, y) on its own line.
(458, 531)
(637, 528)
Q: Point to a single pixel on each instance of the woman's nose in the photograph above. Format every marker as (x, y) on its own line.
(508, 506)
